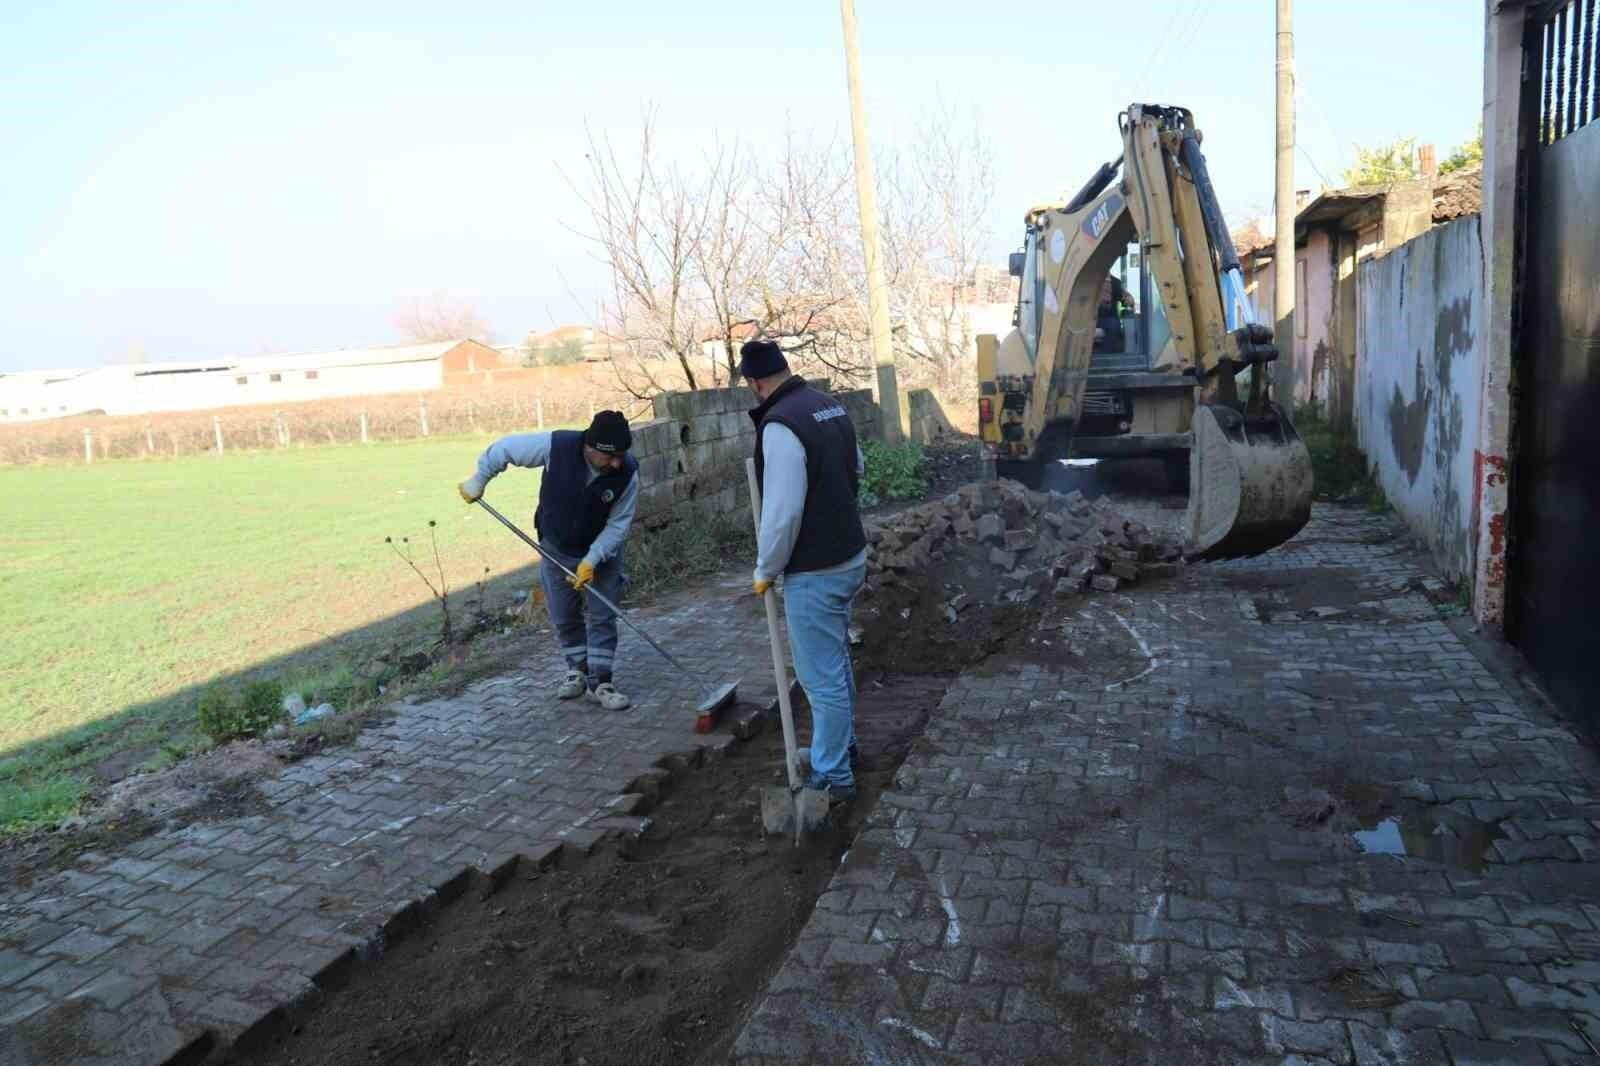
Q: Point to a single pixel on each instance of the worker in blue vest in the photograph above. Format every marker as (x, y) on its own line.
(809, 468)
(587, 500)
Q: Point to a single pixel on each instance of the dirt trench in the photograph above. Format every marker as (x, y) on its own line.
(649, 952)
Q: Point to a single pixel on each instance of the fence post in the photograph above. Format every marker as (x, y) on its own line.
(149, 439)
(283, 437)
(363, 426)
(88, 446)
(422, 408)
(216, 427)
(538, 406)
(472, 415)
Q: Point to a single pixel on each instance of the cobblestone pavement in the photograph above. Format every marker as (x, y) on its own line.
(1137, 844)
(186, 938)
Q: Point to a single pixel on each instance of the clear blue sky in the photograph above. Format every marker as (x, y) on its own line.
(208, 178)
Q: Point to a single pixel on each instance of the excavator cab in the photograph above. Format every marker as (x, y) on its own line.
(1134, 336)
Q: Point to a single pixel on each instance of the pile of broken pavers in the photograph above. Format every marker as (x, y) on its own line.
(1001, 540)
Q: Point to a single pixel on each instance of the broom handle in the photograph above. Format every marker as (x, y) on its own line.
(530, 542)
(791, 746)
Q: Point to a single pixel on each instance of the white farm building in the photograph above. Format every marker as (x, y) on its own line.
(144, 388)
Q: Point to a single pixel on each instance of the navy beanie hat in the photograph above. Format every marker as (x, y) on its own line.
(761, 359)
(609, 433)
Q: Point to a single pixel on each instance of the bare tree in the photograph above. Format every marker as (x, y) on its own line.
(700, 258)
(646, 223)
(439, 318)
(950, 185)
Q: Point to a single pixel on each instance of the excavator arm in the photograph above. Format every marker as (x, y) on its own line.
(1250, 475)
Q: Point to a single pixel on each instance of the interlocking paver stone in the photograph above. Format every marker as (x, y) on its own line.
(1148, 780)
(206, 928)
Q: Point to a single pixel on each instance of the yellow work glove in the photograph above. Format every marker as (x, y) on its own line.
(761, 585)
(584, 575)
(470, 490)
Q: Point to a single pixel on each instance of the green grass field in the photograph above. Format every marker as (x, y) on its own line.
(126, 584)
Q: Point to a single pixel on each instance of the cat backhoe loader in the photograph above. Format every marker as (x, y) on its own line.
(1189, 374)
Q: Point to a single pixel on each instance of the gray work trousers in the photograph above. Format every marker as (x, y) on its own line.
(589, 647)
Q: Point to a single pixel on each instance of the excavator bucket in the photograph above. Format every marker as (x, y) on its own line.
(1249, 482)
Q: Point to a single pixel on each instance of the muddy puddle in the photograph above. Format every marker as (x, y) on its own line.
(1434, 835)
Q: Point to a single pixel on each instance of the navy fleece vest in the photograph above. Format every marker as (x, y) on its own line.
(830, 528)
(572, 509)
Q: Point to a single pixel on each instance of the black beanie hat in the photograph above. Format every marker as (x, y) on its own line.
(761, 359)
(608, 433)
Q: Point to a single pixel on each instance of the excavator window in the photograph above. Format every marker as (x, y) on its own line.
(1120, 342)
(1131, 330)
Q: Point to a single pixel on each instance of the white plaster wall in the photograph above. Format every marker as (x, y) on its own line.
(1421, 337)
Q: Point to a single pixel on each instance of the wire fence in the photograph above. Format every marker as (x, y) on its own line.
(350, 420)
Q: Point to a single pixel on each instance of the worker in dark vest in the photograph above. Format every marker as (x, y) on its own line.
(587, 499)
(809, 467)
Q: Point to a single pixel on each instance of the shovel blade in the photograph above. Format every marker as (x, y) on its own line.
(780, 807)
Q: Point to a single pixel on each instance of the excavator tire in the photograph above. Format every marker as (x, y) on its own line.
(1250, 483)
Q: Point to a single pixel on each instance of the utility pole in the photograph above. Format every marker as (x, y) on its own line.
(867, 201)
(1283, 293)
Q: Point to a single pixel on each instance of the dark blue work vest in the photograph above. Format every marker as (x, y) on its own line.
(830, 527)
(572, 509)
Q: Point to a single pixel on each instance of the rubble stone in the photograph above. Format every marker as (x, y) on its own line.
(1066, 539)
(1019, 540)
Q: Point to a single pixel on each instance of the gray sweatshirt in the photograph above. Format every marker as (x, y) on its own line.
(533, 449)
(783, 502)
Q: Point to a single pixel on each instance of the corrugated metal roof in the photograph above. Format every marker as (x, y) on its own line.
(402, 353)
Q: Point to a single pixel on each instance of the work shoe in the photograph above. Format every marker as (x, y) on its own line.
(607, 696)
(574, 685)
(837, 793)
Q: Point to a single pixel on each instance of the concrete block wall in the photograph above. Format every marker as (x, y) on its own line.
(865, 414)
(692, 453)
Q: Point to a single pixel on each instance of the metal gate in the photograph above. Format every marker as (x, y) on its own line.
(1555, 560)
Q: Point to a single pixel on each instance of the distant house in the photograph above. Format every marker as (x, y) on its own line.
(584, 340)
(235, 381)
(1334, 231)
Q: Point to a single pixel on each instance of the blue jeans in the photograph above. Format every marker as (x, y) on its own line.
(817, 607)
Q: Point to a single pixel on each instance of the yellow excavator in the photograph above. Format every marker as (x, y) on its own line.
(1086, 372)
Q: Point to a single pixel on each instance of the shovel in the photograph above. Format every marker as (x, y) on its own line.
(715, 698)
(793, 807)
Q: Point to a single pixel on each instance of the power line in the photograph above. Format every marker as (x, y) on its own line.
(1313, 162)
(1171, 35)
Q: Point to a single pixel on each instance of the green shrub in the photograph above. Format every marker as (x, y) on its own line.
(893, 472)
(23, 806)
(338, 684)
(1337, 463)
(224, 713)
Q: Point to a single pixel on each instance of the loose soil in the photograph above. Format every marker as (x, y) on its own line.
(907, 629)
(644, 952)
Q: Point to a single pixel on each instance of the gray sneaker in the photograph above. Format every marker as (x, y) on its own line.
(573, 686)
(607, 696)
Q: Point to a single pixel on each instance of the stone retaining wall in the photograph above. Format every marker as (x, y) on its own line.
(691, 455)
